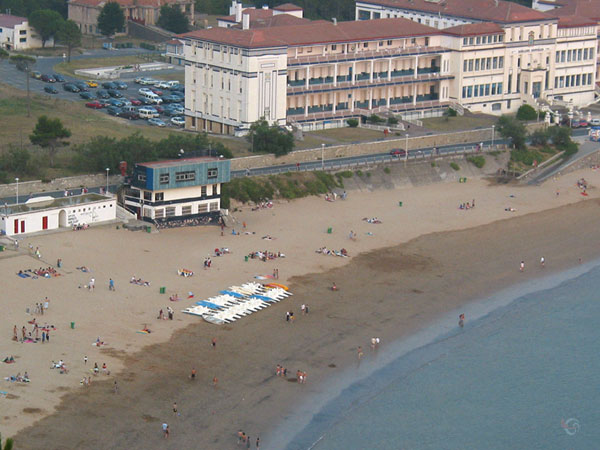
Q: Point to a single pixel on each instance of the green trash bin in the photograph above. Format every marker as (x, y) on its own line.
(163, 289)
(72, 325)
(246, 258)
(148, 229)
(399, 203)
(329, 230)
(1, 248)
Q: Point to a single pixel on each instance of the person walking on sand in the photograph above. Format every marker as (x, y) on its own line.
(215, 382)
(522, 266)
(116, 387)
(175, 409)
(542, 261)
(360, 352)
(92, 284)
(248, 441)
(214, 342)
(258, 443)
(111, 285)
(193, 375)
(165, 428)
(461, 320)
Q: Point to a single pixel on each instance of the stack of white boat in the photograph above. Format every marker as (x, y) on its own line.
(236, 302)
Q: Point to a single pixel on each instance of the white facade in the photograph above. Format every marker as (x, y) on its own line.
(16, 34)
(59, 213)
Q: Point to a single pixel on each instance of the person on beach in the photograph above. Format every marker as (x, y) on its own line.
(461, 320)
(165, 428)
(522, 266)
(258, 443)
(111, 285)
(193, 375)
(542, 261)
(334, 287)
(116, 387)
(92, 284)
(15, 334)
(175, 409)
(214, 342)
(85, 359)
(248, 441)
(241, 437)
(360, 352)
(215, 382)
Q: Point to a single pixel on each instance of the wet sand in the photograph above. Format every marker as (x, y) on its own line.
(389, 293)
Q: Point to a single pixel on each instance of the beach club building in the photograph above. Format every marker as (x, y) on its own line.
(48, 213)
(177, 189)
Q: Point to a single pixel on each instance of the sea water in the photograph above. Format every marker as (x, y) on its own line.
(525, 375)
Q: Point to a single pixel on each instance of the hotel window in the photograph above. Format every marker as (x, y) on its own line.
(470, 65)
(562, 56)
(389, 42)
(214, 189)
(170, 211)
(589, 77)
(470, 91)
(465, 65)
(496, 106)
(488, 63)
(531, 38)
(500, 62)
(465, 41)
(585, 53)
(148, 196)
(185, 176)
(214, 206)
(203, 207)
(501, 38)
(381, 43)
(164, 178)
(186, 209)
(213, 173)
(555, 82)
(495, 38)
(477, 64)
(578, 80)
(159, 213)
(557, 57)
(333, 47)
(203, 191)
(464, 92)
(495, 62)
(487, 89)
(159, 196)
(579, 55)
(471, 41)
(478, 40)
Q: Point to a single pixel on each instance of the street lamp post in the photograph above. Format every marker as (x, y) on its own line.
(493, 127)
(406, 147)
(322, 156)
(107, 170)
(17, 180)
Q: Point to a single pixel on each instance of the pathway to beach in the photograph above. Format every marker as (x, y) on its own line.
(385, 289)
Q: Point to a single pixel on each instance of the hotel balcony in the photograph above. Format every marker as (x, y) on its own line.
(295, 87)
(364, 55)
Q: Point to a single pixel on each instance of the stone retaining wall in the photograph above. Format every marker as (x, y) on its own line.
(59, 184)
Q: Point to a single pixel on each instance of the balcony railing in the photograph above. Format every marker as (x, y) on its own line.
(426, 97)
(296, 82)
(399, 100)
(295, 111)
(402, 73)
(421, 70)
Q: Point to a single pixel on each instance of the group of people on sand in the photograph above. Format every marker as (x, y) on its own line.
(281, 371)
(18, 378)
(467, 205)
(245, 440)
(170, 313)
(139, 281)
(325, 251)
(265, 255)
(374, 220)
(33, 336)
(300, 376)
(582, 185)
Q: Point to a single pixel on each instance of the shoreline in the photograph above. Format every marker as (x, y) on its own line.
(318, 415)
(249, 396)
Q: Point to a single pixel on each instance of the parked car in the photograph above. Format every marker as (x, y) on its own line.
(115, 102)
(595, 122)
(171, 98)
(47, 78)
(144, 90)
(162, 85)
(92, 83)
(114, 111)
(144, 81)
(398, 152)
(35, 74)
(135, 101)
(50, 90)
(114, 93)
(157, 122)
(130, 115)
(109, 85)
(159, 109)
(173, 112)
(120, 84)
(583, 123)
(174, 85)
(70, 87)
(102, 93)
(81, 85)
(104, 102)
(58, 77)
(87, 96)
(178, 121)
(145, 101)
(94, 105)
(157, 91)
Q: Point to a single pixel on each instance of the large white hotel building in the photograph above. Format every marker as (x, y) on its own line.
(410, 57)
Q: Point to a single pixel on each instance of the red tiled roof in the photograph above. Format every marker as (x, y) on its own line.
(264, 21)
(130, 3)
(314, 32)
(474, 29)
(174, 42)
(575, 21)
(582, 8)
(484, 10)
(252, 12)
(288, 7)
(8, 21)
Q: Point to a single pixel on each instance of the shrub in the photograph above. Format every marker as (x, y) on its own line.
(432, 164)
(539, 138)
(392, 121)
(352, 123)
(454, 166)
(374, 118)
(345, 174)
(526, 112)
(387, 170)
(450, 112)
(368, 174)
(477, 161)
(359, 173)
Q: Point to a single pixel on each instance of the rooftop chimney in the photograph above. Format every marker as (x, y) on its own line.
(245, 21)
(238, 12)
(334, 20)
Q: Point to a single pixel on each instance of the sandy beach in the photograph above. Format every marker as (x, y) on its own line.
(426, 258)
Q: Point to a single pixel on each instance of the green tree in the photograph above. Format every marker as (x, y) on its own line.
(50, 134)
(539, 138)
(3, 54)
(46, 22)
(111, 19)
(270, 139)
(526, 112)
(69, 34)
(173, 19)
(15, 160)
(24, 63)
(511, 128)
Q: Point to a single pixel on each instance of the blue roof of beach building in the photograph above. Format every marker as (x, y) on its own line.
(179, 173)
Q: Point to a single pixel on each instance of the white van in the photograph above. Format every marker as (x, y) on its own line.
(595, 122)
(152, 97)
(173, 84)
(147, 113)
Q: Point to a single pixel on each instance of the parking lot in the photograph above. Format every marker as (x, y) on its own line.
(122, 101)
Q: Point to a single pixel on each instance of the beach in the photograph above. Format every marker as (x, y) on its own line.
(426, 258)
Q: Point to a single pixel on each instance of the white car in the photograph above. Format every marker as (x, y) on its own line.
(144, 90)
(147, 81)
(178, 121)
(163, 85)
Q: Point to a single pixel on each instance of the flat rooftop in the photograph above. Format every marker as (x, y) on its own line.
(179, 162)
(61, 202)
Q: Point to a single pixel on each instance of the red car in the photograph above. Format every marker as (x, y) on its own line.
(95, 105)
(157, 91)
(135, 101)
(397, 152)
